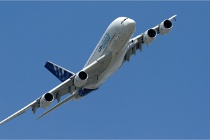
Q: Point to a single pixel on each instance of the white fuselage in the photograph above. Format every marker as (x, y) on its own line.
(114, 40)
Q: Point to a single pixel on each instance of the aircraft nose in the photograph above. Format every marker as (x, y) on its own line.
(130, 25)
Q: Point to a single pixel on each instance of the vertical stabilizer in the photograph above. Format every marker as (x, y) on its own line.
(61, 73)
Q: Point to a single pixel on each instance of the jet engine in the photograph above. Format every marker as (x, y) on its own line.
(165, 27)
(80, 79)
(46, 100)
(149, 36)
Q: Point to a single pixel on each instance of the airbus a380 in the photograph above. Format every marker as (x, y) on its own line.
(114, 48)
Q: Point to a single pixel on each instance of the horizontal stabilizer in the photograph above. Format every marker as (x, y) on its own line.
(59, 72)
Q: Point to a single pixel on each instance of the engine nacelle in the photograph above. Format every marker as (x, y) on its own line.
(80, 79)
(149, 36)
(165, 27)
(46, 100)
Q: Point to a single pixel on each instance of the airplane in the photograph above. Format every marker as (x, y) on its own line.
(115, 47)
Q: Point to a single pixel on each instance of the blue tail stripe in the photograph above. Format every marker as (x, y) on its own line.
(59, 72)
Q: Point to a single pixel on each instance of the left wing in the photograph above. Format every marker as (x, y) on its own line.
(147, 37)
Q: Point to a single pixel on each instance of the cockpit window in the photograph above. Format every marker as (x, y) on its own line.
(123, 20)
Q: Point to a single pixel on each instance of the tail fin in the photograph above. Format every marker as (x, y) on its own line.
(59, 72)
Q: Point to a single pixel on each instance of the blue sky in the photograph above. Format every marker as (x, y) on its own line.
(162, 93)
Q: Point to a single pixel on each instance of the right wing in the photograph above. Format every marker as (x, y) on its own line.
(57, 92)
(93, 70)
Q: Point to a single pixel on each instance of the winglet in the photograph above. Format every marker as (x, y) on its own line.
(173, 17)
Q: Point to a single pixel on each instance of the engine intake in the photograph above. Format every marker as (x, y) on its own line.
(83, 75)
(46, 100)
(80, 78)
(165, 27)
(149, 36)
